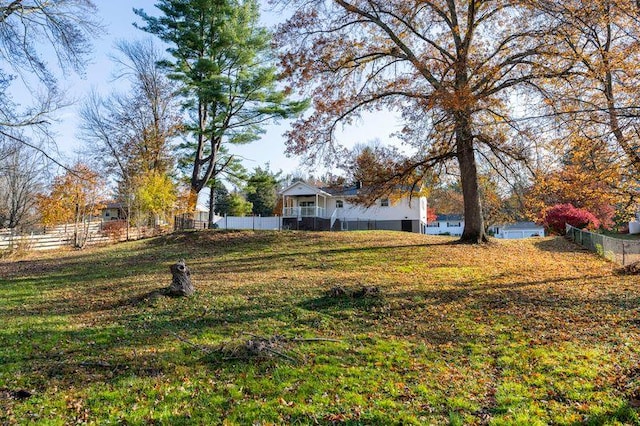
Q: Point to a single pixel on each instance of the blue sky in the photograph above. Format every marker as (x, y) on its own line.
(118, 17)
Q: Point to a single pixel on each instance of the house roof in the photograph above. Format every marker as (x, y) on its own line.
(342, 191)
(113, 205)
(449, 218)
(303, 188)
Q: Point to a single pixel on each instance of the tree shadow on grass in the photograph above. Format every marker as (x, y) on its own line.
(311, 259)
(559, 245)
(331, 304)
(43, 356)
(622, 414)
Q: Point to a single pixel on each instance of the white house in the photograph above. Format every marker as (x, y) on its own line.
(453, 224)
(113, 211)
(517, 230)
(306, 207)
(445, 224)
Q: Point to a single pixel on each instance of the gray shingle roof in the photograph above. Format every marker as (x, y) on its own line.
(449, 218)
(520, 226)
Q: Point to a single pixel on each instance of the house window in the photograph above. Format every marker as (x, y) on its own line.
(384, 202)
(453, 224)
(339, 204)
(106, 213)
(433, 225)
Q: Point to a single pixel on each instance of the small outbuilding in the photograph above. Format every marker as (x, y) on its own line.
(517, 230)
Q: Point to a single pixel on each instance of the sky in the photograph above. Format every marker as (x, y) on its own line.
(118, 18)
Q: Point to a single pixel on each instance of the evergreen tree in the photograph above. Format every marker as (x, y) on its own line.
(222, 198)
(262, 191)
(238, 206)
(223, 61)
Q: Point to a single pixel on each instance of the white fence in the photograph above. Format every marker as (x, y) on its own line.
(57, 237)
(63, 236)
(271, 223)
(267, 223)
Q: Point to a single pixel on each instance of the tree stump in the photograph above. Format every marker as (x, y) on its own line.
(366, 291)
(181, 284)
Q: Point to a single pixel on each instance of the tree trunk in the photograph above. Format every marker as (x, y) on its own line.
(212, 204)
(474, 232)
(627, 146)
(76, 227)
(181, 284)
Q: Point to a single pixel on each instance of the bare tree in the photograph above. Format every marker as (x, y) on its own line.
(131, 133)
(20, 182)
(28, 29)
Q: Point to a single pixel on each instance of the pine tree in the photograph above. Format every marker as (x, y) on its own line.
(262, 191)
(222, 59)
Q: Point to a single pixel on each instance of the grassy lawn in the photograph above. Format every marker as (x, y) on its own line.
(519, 332)
(621, 236)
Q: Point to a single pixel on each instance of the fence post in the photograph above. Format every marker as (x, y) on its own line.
(624, 263)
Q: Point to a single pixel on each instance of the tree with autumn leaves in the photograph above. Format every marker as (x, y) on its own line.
(598, 99)
(73, 198)
(452, 68)
(589, 177)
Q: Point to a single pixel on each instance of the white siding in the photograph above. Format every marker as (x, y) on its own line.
(444, 228)
(301, 188)
(398, 210)
(516, 234)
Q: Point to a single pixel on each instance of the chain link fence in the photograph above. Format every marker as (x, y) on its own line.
(624, 252)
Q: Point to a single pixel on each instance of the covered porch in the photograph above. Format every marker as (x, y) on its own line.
(304, 211)
(301, 200)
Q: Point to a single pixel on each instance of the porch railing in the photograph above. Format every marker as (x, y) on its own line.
(334, 216)
(304, 211)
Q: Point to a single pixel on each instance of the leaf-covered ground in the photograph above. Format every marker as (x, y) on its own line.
(517, 332)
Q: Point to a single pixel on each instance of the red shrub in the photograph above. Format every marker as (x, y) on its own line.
(555, 218)
(431, 215)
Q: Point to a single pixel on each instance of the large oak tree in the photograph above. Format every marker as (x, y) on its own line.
(452, 68)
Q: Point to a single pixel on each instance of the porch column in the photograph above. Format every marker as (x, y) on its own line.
(316, 205)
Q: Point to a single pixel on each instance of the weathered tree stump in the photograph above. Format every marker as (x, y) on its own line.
(366, 291)
(181, 284)
(337, 292)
